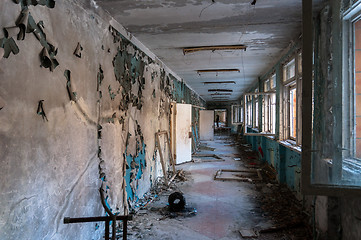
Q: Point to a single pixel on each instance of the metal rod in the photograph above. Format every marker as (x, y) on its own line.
(68, 220)
(106, 230)
(114, 228)
(125, 231)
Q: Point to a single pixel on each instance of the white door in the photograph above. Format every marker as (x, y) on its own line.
(183, 133)
(206, 125)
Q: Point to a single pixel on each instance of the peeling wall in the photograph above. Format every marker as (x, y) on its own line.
(80, 106)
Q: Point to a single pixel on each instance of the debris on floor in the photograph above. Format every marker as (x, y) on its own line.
(206, 158)
(238, 175)
(248, 233)
(260, 208)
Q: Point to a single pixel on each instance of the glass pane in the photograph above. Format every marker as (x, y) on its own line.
(293, 117)
(336, 156)
(256, 114)
(266, 86)
(273, 81)
(273, 114)
(290, 70)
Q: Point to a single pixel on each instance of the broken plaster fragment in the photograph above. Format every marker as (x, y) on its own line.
(2, 52)
(77, 51)
(25, 3)
(45, 58)
(2, 102)
(100, 77)
(111, 94)
(10, 32)
(71, 93)
(9, 46)
(46, 42)
(40, 111)
(22, 23)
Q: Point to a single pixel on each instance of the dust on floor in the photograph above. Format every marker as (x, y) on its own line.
(221, 209)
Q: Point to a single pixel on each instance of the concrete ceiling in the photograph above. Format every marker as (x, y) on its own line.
(167, 26)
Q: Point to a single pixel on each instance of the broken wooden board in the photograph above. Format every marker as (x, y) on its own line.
(206, 158)
(238, 175)
(248, 233)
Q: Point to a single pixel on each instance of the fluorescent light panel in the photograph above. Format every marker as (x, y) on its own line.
(220, 90)
(221, 94)
(214, 48)
(218, 70)
(220, 82)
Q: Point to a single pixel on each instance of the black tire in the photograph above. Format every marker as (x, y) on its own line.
(176, 202)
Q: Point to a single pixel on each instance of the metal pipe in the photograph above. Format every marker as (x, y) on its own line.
(106, 230)
(68, 220)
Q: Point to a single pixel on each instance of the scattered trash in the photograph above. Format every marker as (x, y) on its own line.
(237, 159)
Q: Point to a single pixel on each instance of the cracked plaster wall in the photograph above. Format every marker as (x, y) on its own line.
(100, 127)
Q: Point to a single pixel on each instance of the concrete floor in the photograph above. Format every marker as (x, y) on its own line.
(223, 207)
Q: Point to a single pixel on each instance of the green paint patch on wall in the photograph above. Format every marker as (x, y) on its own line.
(134, 170)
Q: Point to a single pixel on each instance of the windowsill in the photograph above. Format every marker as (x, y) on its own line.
(255, 130)
(271, 137)
(291, 145)
(351, 171)
(352, 166)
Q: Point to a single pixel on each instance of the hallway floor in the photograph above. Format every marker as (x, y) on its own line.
(223, 208)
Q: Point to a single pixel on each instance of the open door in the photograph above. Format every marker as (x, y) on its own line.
(181, 132)
(206, 125)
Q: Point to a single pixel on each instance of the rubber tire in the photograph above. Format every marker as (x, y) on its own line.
(179, 206)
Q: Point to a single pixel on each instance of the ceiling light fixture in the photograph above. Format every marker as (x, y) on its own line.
(220, 82)
(220, 90)
(218, 70)
(220, 99)
(214, 48)
(221, 94)
(227, 101)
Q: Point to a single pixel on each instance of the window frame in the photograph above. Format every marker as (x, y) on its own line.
(252, 96)
(239, 109)
(308, 188)
(294, 82)
(269, 104)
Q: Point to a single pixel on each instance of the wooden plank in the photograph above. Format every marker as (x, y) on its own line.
(162, 159)
(248, 233)
(171, 154)
(240, 171)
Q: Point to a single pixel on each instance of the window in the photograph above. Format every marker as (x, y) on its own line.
(269, 106)
(291, 99)
(293, 115)
(237, 114)
(289, 70)
(335, 166)
(256, 117)
(268, 102)
(249, 110)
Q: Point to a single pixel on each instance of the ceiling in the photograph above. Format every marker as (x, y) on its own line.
(167, 26)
